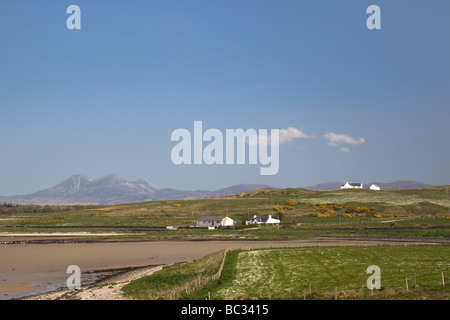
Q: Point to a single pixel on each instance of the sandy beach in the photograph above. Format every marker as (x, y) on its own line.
(108, 289)
(30, 269)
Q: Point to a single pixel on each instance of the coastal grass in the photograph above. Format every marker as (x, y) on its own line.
(417, 213)
(312, 273)
(176, 280)
(304, 227)
(333, 273)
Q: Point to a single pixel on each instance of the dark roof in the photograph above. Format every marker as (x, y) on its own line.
(262, 219)
(210, 218)
(354, 184)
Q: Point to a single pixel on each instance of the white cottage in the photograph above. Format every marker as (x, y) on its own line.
(352, 185)
(260, 220)
(215, 221)
(374, 187)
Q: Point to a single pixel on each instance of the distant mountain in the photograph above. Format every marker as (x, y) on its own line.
(113, 189)
(399, 184)
(237, 189)
(325, 186)
(66, 188)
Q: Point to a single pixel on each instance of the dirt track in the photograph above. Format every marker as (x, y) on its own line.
(35, 268)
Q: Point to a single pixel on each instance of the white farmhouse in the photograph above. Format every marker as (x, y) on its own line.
(374, 187)
(215, 221)
(260, 220)
(352, 185)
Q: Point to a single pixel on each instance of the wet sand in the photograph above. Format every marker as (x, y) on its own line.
(6, 238)
(36, 268)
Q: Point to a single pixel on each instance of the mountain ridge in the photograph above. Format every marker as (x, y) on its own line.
(113, 189)
(397, 184)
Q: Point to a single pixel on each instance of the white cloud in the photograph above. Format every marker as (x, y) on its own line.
(289, 134)
(337, 139)
(334, 139)
(285, 136)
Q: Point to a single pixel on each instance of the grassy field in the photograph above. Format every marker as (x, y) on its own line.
(302, 273)
(304, 213)
(337, 272)
(309, 273)
(177, 280)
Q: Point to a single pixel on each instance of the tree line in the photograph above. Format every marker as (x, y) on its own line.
(12, 208)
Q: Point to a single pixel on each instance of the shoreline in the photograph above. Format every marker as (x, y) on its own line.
(107, 288)
(62, 238)
(45, 264)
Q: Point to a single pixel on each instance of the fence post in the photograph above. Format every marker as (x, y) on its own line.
(443, 281)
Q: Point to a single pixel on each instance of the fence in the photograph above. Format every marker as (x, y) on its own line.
(410, 284)
(193, 285)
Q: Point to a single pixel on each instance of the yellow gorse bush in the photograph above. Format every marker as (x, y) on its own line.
(283, 208)
(330, 208)
(333, 209)
(99, 214)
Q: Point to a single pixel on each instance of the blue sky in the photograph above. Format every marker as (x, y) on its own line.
(106, 98)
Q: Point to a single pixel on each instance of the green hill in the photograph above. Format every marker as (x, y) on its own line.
(421, 212)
